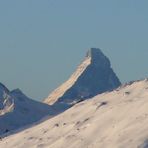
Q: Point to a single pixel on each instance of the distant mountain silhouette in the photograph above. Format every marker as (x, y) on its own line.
(17, 110)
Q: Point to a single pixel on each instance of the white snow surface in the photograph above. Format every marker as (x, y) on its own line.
(117, 119)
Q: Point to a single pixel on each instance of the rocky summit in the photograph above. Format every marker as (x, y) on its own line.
(93, 76)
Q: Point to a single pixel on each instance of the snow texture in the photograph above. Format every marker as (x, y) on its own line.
(116, 119)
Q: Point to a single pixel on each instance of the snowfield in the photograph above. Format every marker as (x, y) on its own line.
(117, 119)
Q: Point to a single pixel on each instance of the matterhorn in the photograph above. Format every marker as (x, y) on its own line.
(93, 76)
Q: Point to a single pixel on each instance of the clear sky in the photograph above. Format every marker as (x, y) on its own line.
(43, 41)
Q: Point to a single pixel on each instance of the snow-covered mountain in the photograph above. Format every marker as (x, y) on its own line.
(17, 110)
(6, 102)
(116, 119)
(92, 77)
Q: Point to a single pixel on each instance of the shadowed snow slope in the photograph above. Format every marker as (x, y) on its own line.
(17, 110)
(92, 77)
(116, 119)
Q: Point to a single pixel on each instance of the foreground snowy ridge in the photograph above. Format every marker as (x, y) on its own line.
(117, 119)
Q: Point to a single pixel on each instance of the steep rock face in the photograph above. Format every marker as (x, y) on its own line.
(17, 110)
(92, 77)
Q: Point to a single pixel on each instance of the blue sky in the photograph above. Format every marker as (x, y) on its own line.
(43, 41)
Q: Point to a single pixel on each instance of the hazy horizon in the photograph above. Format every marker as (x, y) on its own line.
(42, 42)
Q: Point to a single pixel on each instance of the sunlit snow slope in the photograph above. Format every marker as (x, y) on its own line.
(118, 119)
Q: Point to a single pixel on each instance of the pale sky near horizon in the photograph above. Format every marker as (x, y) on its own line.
(43, 41)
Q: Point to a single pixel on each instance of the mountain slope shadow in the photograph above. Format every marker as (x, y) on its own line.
(18, 111)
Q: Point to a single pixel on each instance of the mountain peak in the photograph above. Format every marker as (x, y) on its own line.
(3, 88)
(17, 91)
(17, 110)
(93, 52)
(92, 77)
(98, 59)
